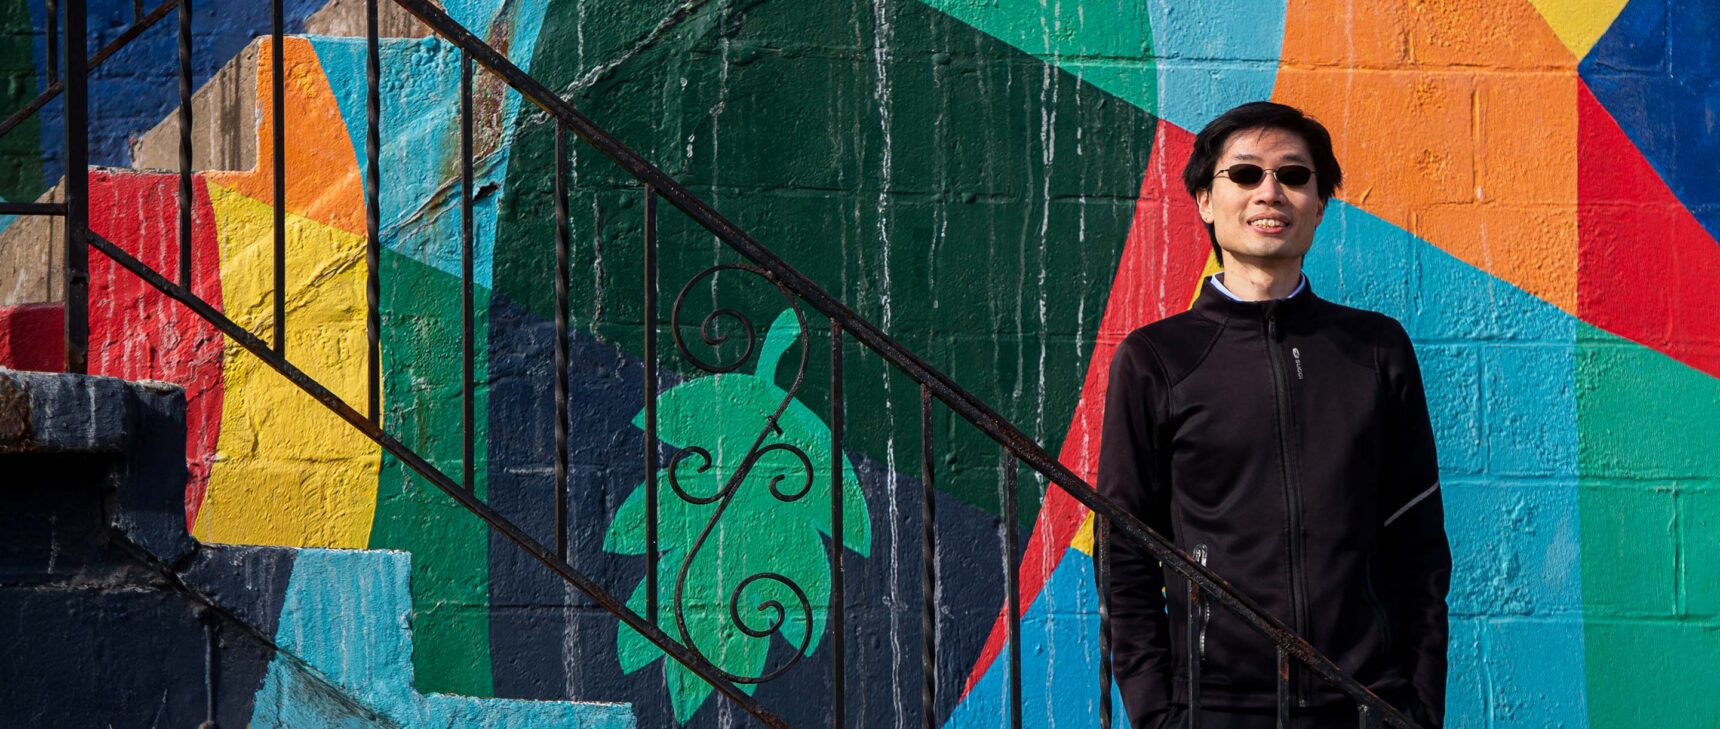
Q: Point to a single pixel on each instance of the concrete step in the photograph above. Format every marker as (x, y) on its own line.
(98, 578)
(347, 614)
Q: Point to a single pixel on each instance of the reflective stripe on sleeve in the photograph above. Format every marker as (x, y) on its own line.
(1412, 502)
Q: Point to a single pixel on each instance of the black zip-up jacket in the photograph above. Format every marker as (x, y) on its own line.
(1289, 441)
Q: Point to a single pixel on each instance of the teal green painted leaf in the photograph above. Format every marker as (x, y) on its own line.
(757, 534)
(784, 332)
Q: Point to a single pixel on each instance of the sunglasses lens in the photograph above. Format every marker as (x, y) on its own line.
(1246, 175)
(1294, 175)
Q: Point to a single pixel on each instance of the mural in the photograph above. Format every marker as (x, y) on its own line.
(997, 186)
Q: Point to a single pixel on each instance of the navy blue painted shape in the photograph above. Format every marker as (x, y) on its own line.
(138, 87)
(548, 644)
(101, 656)
(529, 624)
(1657, 71)
(250, 582)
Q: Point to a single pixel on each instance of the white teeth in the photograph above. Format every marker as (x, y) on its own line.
(1268, 223)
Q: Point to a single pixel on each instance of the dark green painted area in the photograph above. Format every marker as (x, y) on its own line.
(1649, 446)
(967, 197)
(450, 547)
(21, 148)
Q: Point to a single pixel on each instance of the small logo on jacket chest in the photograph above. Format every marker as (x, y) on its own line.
(1296, 354)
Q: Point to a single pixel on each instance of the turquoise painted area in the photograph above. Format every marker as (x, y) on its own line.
(475, 15)
(1182, 60)
(1059, 660)
(347, 614)
(419, 159)
(1214, 54)
(1500, 370)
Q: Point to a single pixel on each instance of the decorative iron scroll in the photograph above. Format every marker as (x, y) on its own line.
(723, 497)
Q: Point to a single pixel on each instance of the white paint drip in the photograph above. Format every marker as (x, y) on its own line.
(1048, 142)
(881, 97)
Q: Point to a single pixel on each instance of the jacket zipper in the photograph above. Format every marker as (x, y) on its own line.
(1292, 493)
(1205, 616)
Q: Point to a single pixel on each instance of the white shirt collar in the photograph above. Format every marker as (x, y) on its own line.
(1218, 283)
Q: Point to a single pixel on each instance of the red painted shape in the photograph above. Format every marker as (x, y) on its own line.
(33, 337)
(1647, 270)
(136, 332)
(1161, 265)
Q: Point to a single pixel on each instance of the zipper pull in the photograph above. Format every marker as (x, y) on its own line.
(1205, 616)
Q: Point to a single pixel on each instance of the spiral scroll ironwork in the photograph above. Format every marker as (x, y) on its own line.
(725, 496)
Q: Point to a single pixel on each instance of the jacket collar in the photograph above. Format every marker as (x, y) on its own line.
(1213, 304)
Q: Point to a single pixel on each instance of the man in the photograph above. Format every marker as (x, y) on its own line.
(1286, 439)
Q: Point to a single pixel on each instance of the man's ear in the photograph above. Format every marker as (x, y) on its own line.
(1203, 200)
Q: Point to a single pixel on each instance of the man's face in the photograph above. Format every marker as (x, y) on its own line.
(1268, 220)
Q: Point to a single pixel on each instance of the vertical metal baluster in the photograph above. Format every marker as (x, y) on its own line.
(211, 671)
(1364, 717)
(1196, 610)
(468, 347)
(53, 40)
(838, 644)
(1012, 583)
(1283, 688)
(77, 252)
(136, 11)
(650, 318)
(278, 143)
(928, 568)
(1102, 563)
(185, 144)
(373, 210)
(562, 273)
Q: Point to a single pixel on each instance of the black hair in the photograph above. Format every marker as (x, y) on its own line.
(1209, 147)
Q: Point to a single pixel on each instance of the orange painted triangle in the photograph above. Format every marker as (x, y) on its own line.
(322, 178)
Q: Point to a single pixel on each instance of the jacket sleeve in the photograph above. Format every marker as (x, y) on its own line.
(1129, 477)
(1412, 542)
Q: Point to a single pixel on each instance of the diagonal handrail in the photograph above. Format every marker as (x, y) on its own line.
(940, 385)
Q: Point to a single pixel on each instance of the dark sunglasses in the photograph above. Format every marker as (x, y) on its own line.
(1248, 175)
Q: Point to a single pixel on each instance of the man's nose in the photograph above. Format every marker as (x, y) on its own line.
(1269, 190)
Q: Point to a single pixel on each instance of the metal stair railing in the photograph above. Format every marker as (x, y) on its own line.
(1015, 446)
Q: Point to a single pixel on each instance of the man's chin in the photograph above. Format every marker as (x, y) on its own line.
(1267, 252)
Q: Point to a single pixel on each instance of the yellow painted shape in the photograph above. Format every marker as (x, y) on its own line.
(287, 471)
(1083, 541)
(323, 183)
(1454, 120)
(1579, 23)
(1211, 268)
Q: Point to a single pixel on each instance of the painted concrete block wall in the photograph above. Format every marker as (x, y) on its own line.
(996, 184)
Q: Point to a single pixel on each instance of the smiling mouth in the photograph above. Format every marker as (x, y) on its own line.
(1268, 225)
